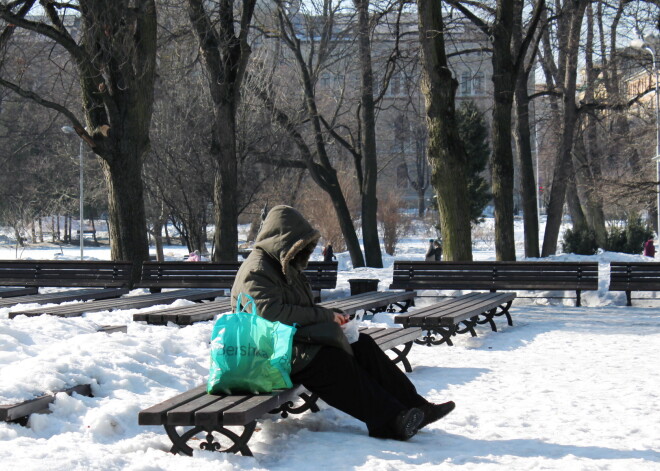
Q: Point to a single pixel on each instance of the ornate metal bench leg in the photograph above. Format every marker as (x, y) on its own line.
(239, 442)
(505, 312)
(403, 306)
(309, 403)
(469, 327)
(429, 339)
(488, 319)
(402, 356)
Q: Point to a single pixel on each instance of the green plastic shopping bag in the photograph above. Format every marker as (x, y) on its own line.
(249, 354)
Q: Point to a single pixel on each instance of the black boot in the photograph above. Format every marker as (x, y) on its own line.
(434, 412)
(404, 426)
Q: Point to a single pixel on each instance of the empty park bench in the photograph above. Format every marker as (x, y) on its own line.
(157, 275)
(457, 315)
(634, 276)
(207, 414)
(96, 280)
(20, 412)
(497, 276)
(372, 302)
(131, 302)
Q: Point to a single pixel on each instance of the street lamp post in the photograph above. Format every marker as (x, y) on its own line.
(70, 130)
(644, 46)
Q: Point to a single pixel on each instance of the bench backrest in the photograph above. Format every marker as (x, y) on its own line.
(321, 275)
(637, 276)
(65, 273)
(495, 275)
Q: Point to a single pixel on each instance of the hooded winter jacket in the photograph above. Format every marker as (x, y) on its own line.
(281, 291)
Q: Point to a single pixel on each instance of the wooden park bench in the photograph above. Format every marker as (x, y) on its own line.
(457, 315)
(634, 276)
(157, 275)
(207, 414)
(371, 303)
(21, 411)
(96, 280)
(497, 276)
(185, 315)
(131, 302)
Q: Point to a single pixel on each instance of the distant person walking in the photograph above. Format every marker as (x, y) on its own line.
(434, 252)
(328, 253)
(430, 252)
(438, 250)
(649, 248)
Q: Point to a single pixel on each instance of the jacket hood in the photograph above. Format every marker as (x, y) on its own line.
(284, 233)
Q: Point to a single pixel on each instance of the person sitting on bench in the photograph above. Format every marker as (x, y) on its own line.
(358, 379)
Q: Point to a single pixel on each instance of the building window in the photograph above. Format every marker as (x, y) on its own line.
(465, 83)
(478, 83)
(325, 79)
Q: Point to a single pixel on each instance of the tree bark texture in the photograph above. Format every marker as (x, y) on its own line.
(371, 241)
(502, 159)
(445, 149)
(528, 182)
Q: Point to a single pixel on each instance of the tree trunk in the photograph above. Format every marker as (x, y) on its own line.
(128, 239)
(572, 15)
(502, 159)
(225, 57)
(226, 178)
(588, 170)
(445, 150)
(67, 231)
(370, 237)
(527, 179)
(421, 202)
(96, 242)
(575, 206)
(158, 238)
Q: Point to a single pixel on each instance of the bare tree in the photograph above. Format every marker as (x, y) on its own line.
(112, 46)
(222, 31)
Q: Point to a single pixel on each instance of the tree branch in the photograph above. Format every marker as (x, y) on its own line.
(77, 125)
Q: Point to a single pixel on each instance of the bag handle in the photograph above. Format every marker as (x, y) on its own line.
(242, 305)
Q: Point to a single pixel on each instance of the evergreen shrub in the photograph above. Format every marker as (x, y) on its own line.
(581, 242)
(630, 238)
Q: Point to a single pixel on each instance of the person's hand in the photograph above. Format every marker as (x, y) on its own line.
(341, 319)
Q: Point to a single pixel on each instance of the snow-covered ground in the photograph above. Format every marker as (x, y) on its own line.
(565, 388)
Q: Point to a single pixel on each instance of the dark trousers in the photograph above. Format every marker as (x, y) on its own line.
(367, 385)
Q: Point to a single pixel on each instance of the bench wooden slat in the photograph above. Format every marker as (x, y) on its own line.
(185, 315)
(131, 302)
(321, 275)
(494, 276)
(16, 292)
(65, 296)
(65, 273)
(634, 276)
(254, 407)
(16, 411)
(451, 311)
(157, 414)
(185, 413)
